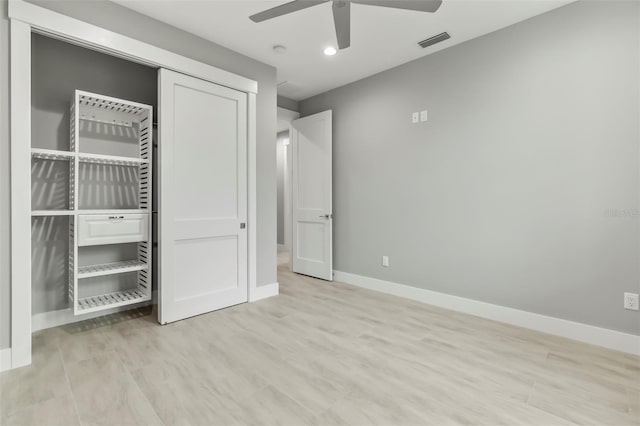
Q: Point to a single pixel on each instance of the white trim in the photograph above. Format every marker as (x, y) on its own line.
(50, 319)
(288, 116)
(91, 36)
(286, 219)
(288, 201)
(20, 80)
(264, 291)
(252, 212)
(5, 359)
(611, 339)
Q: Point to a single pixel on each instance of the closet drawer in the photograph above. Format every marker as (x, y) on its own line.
(95, 229)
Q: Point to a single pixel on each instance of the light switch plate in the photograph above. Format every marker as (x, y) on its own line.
(423, 115)
(415, 117)
(385, 261)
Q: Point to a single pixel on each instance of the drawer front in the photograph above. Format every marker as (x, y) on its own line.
(95, 229)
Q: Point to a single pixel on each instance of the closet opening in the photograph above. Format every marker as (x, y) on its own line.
(93, 162)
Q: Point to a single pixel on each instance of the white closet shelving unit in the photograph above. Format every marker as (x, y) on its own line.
(109, 201)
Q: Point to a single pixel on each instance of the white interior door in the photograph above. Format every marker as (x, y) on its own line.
(202, 150)
(312, 248)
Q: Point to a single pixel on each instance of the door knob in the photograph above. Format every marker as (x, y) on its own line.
(326, 216)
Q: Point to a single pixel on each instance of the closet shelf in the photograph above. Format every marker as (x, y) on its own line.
(113, 211)
(52, 154)
(52, 212)
(110, 122)
(107, 103)
(111, 300)
(72, 212)
(110, 160)
(111, 268)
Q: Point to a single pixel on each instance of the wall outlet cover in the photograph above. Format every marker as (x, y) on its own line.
(631, 301)
(424, 115)
(415, 117)
(385, 261)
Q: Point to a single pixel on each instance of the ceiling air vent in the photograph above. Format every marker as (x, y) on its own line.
(435, 39)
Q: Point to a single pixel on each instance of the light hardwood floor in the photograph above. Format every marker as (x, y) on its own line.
(319, 354)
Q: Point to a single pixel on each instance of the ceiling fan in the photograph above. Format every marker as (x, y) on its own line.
(342, 12)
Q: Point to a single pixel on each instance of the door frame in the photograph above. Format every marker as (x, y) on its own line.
(26, 18)
(288, 115)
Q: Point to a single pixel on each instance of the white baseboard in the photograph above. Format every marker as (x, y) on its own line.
(5, 359)
(51, 319)
(264, 291)
(611, 339)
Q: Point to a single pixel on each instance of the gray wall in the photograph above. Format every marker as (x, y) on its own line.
(522, 189)
(280, 166)
(289, 104)
(119, 19)
(58, 69)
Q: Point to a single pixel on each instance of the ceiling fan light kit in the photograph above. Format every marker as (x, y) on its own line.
(342, 12)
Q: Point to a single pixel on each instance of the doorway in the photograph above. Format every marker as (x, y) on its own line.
(304, 188)
(283, 173)
(312, 195)
(63, 277)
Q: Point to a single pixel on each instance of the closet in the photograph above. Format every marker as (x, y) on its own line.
(91, 183)
(93, 215)
(85, 219)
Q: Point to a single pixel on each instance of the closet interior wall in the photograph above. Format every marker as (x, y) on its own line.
(58, 69)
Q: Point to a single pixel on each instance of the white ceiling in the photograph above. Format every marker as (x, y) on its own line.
(381, 38)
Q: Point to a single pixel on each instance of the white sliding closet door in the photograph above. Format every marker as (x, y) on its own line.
(202, 196)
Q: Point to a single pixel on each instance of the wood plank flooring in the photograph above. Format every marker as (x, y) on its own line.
(319, 354)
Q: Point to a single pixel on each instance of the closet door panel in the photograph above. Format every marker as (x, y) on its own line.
(209, 265)
(206, 158)
(203, 193)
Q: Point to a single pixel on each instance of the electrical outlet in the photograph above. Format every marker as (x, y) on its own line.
(424, 115)
(385, 261)
(631, 301)
(415, 117)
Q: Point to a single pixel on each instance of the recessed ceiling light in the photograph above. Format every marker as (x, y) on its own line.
(330, 51)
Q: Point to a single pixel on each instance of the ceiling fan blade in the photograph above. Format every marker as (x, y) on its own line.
(418, 5)
(285, 9)
(342, 22)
